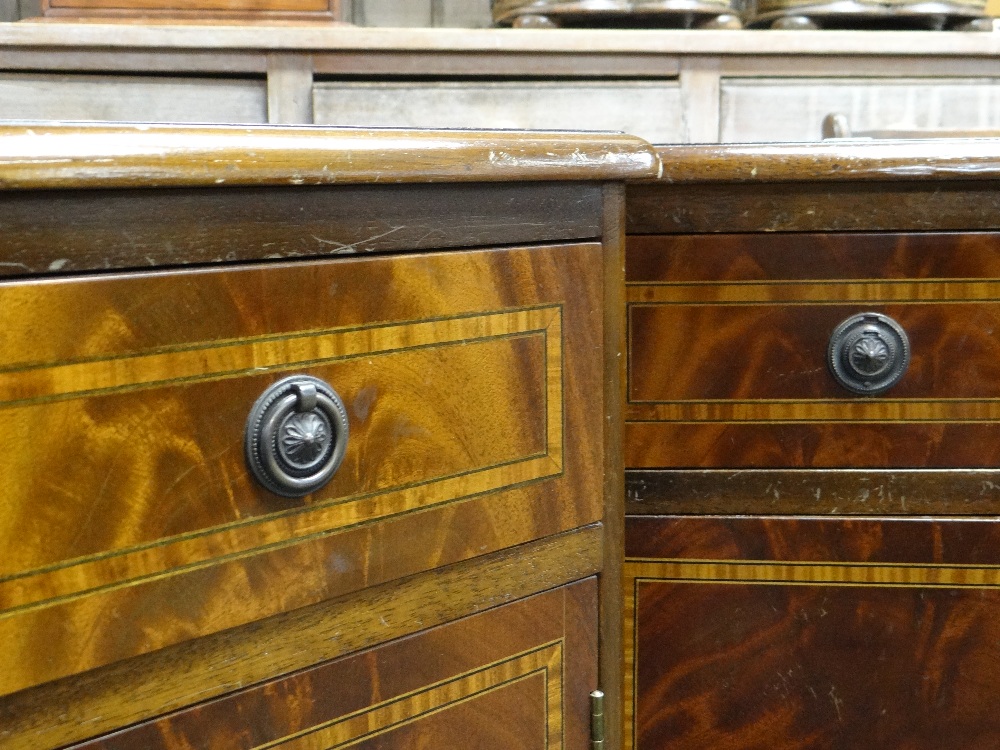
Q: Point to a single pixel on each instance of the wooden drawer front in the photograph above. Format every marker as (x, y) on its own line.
(132, 99)
(646, 109)
(784, 633)
(789, 110)
(728, 340)
(131, 521)
(517, 676)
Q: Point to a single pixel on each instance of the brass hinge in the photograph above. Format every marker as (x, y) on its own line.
(597, 720)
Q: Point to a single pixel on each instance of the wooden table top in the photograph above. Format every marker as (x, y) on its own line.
(82, 156)
(833, 161)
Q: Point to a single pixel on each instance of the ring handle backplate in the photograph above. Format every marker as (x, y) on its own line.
(296, 436)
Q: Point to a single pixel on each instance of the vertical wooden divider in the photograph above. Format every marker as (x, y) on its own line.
(614, 478)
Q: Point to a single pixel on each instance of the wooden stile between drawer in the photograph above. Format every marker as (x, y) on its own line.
(131, 520)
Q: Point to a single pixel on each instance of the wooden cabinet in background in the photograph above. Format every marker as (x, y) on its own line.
(665, 85)
(241, 11)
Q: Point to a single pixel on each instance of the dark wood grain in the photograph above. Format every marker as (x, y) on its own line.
(651, 445)
(149, 583)
(781, 629)
(510, 677)
(822, 206)
(71, 231)
(883, 638)
(728, 350)
(757, 667)
(945, 540)
(92, 704)
(614, 400)
(758, 352)
(724, 258)
(745, 386)
(159, 533)
(955, 492)
(833, 161)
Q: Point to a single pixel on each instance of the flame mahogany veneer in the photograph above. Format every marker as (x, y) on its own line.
(805, 567)
(451, 584)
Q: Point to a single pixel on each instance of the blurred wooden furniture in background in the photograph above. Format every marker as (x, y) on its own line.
(664, 86)
(412, 13)
(202, 11)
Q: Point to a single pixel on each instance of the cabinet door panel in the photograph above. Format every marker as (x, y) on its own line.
(517, 676)
(804, 633)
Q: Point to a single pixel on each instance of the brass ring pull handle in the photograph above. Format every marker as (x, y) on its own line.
(868, 353)
(296, 436)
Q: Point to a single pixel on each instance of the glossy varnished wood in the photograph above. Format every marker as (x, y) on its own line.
(804, 632)
(80, 230)
(533, 660)
(833, 186)
(172, 679)
(797, 633)
(58, 156)
(159, 533)
(149, 574)
(953, 357)
(728, 346)
(940, 159)
(822, 206)
(864, 256)
(614, 400)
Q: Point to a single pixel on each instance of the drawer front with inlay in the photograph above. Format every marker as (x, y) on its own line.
(517, 676)
(738, 347)
(132, 521)
(794, 633)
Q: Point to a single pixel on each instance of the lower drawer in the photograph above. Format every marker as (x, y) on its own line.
(792, 633)
(518, 676)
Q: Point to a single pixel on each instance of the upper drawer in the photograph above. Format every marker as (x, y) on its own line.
(729, 347)
(792, 110)
(131, 521)
(650, 110)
